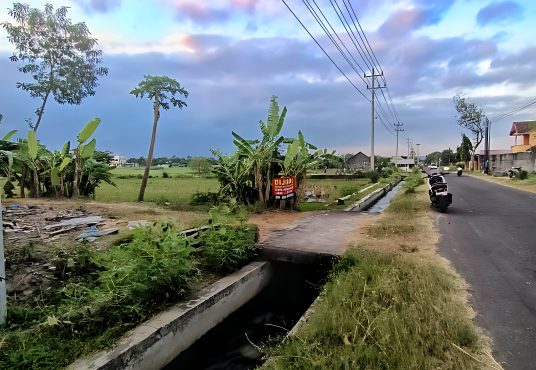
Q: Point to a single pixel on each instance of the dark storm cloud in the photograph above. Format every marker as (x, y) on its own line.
(99, 6)
(499, 11)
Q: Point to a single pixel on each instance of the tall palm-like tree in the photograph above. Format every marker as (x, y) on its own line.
(161, 90)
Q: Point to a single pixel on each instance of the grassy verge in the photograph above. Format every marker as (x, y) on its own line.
(528, 185)
(111, 291)
(389, 303)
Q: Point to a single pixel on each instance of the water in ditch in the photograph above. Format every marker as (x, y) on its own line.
(383, 203)
(236, 342)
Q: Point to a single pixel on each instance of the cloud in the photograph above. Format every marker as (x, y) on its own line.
(215, 11)
(420, 13)
(98, 6)
(499, 12)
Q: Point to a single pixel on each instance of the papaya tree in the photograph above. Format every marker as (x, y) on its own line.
(164, 92)
(262, 153)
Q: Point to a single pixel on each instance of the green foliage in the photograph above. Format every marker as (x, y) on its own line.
(465, 149)
(382, 312)
(523, 175)
(162, 90)
(348, 190)
(227, 249)
(206, 198)
(59, 55)
(471, 117)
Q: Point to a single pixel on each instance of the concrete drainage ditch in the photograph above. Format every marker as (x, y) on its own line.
(222, 325)
(226, 324)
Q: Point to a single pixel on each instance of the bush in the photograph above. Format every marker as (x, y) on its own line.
(523, 175)
(165, 175)
(208, 198)
(228, 248)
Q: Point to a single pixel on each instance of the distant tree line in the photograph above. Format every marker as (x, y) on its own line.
(173, 161)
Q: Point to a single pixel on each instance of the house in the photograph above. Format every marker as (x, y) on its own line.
(358, 161)
(117, 160)
(405, 164)
(526, 131)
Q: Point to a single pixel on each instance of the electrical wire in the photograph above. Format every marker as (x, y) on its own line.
(327, 55)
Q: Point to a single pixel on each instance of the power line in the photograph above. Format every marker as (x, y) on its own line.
(516, 110)
(345, 22)
(320, 46)
(319, 21)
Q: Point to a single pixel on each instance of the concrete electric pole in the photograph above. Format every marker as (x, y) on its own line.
(372, 87)
(398, 129)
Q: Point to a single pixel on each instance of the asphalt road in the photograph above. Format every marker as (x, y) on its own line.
(489, 234)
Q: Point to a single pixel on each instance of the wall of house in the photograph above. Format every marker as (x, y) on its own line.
(504, 162)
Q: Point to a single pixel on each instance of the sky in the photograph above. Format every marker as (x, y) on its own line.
(233, 55)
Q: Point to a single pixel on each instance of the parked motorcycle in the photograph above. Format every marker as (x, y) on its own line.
(459, 171)
(438, 192)
(514, 172)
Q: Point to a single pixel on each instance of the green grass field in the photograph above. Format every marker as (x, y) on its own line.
(159, 190)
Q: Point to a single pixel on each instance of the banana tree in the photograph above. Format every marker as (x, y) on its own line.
(298, 160)
(30, 157)
(234, 175)
(58, 163)
(83, 151)
(262, 154)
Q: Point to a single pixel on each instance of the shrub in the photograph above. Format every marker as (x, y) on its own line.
(523, 175)
(207, 198)
(228, 248)
(165, 175)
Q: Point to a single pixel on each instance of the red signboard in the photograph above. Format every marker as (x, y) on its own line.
(284, 187)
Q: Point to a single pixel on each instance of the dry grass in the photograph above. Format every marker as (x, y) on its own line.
(393, 303)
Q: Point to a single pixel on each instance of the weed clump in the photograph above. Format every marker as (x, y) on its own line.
(227, 249)
(382, 312)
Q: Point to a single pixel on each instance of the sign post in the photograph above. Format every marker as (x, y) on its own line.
(284, 187)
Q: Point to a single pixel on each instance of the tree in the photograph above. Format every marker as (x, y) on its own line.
(471, 117)
(201, 165)
(433, 157)
(83, 152)
(60, 56)
(298, 160)
(465, 149)
(262, 153)
(161, 90)
(447, 156)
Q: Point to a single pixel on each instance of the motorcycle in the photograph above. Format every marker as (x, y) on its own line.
(514, 172)
(459, 171)
(438, 192)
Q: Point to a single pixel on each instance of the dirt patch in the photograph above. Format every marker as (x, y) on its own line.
(273, 220)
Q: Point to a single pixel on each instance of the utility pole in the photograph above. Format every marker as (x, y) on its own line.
(417, 145)
(372, 88)
(398, 129)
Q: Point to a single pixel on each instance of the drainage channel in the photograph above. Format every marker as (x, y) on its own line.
(235, 343)
(384, 201)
